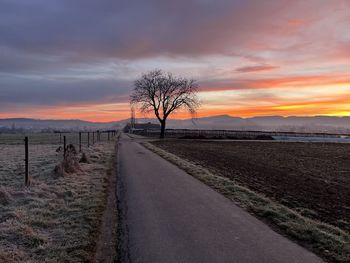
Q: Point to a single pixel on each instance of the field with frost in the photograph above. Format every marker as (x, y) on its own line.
(56, 218)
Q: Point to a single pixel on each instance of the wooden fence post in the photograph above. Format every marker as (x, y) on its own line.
(60, 137)
(108, 135)
(88, 139)
(79, 141)
(64, 147)
(93, 137)
(26, 160)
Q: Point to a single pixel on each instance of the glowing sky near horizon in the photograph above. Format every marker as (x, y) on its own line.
(64, 59)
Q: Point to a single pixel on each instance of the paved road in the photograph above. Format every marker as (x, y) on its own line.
(168, 216)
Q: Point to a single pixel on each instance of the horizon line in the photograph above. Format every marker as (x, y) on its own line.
(209, 116)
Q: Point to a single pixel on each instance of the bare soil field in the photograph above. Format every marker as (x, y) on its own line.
(56, 218)
(311, 178)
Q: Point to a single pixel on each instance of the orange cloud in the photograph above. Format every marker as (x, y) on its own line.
(279, 82)
(296, 22)
(336, 106)
(91, 112)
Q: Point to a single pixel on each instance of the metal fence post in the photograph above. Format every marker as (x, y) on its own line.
(64, 147)
(79, 141)
(26, 160)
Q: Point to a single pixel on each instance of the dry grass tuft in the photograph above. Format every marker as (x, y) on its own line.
(84, 159)
(70, 164)
(59, 170)
(328, 241)
(5, 197)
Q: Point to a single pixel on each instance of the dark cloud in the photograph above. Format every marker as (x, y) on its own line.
(33, 91)
(130, 29)
(90, 29)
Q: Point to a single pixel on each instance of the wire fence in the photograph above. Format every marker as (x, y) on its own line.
(232, 134)
(56, 138)
(23, 155)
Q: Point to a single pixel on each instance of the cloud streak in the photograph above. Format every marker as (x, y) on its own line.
(256, 68)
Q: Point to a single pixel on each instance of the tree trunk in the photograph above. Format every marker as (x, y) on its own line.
(162, 129)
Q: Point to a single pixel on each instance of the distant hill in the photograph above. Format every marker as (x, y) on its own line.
(34, 125)
(328, 124)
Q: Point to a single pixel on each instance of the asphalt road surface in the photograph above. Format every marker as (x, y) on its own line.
(165, 215)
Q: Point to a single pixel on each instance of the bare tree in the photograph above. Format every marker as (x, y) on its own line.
(163, 94)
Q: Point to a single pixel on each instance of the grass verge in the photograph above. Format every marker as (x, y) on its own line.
(327, 241)
(106, 250)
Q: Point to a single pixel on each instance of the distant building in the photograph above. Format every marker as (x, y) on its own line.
(141, 127)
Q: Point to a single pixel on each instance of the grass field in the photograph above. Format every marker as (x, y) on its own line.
(302, 188)
(56, 218)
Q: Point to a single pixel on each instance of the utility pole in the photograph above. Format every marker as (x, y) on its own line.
(133, 119)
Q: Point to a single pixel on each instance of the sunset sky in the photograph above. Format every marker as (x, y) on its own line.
(70, 59)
